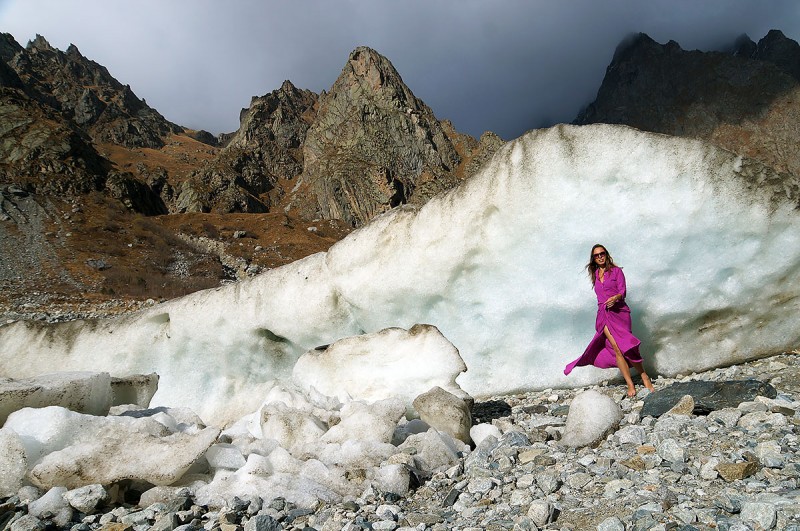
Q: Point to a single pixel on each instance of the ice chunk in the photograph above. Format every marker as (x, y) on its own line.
(480, 431)
(393, 478)
(371, 422)
(225, 456)
(73, 450)
(13, 463)
(86, 392)
(392, 362)
(290, 426)
(356, 455)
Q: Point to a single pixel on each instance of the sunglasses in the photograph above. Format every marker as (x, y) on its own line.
(601, 254)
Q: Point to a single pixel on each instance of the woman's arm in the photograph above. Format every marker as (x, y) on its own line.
(621, 289)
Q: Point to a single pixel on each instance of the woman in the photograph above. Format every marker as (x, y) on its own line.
(613, 344)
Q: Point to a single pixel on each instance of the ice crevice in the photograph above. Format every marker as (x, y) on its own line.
(710, 242)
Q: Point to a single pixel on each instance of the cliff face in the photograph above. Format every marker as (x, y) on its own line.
(266, 149)
(372, 144)
(747, 101)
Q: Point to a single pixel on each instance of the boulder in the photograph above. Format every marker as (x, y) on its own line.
(445, 412)
(707, 396)
(592, 415)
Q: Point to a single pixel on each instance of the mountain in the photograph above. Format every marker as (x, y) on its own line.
(746, 100)
(102, 197)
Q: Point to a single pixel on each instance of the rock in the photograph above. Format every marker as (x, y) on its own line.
(262, 523)
(611, 523)
(174, 498)
(591, 417)
(670, 450)
(27, 523)
(762, 515)
(85, 392)
(52, 505)
(540, 512)
(708, 396)
(712, 96)
(86, 499)
(685, 406)
(734, 471)
(445, 412)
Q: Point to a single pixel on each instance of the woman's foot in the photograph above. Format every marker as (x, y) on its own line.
(631, 391)
(647, 383)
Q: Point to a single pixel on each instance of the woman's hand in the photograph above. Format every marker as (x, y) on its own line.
(612, 301)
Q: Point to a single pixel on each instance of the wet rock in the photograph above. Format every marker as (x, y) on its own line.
(707, 396)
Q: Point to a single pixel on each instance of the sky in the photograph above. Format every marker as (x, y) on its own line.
(506, 66)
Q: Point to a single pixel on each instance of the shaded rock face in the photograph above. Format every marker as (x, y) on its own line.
(707, 396)
(43, 153)
(747, 101)
(85, 92)
(266, 148)
(373, 143)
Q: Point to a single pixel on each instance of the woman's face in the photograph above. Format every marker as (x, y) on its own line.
(599, 255)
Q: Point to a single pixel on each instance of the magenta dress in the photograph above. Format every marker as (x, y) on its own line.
(600, 353)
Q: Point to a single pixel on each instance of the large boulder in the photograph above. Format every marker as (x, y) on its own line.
(592, 416)
(446, 412)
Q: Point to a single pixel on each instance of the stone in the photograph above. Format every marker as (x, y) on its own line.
(592, 415)
(540, 512)
(612, 523)
(734, 471)
(86, 499)
(685, 406)
(727, 416)
(479, 432)
(52, 505)
(707, 396)
(670, 450)
(762, 515)
(445, 412)
(27, 523)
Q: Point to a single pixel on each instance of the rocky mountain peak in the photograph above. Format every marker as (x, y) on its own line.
(39, 43)
(373, 144)
(744, 100)
(781, 51)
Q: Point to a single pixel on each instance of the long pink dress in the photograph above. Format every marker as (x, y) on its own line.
(600, 353)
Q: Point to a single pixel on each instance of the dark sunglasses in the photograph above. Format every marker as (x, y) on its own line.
(601, 254)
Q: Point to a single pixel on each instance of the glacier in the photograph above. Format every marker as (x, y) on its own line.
(710, 242)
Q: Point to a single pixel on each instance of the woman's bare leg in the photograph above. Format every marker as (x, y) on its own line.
(645, 379)
(621, 363)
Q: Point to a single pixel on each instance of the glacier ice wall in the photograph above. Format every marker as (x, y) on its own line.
(710, 243)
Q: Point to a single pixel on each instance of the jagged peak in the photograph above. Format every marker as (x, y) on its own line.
(631, 42)
(288, 86)
(73, 51)
(39, 43)
(743, 46)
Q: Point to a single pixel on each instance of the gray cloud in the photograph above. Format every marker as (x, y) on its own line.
(505, 66)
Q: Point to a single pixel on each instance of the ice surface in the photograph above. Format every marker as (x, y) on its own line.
(13, 463)
(710, 243)
(369, 422)
(52, 503)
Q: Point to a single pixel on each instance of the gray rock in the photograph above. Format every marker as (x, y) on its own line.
(670, 450)
(28, 523)
(445, 412)
(262, 522)
(86, 499)
(540, 512)
(763, 515)
(611, 523)
(591, 417)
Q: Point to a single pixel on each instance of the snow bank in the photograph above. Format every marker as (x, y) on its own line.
(710, 242)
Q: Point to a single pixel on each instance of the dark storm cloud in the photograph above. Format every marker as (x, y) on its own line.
(505, 66)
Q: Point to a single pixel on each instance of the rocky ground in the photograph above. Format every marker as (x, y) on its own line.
(736, 468)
